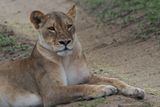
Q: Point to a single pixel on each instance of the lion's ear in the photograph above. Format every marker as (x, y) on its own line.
(36, 18)
(72, 12)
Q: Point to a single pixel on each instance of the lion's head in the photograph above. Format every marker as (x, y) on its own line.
(56, 30)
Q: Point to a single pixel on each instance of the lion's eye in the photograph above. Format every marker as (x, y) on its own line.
(51, 29)
(69, 26)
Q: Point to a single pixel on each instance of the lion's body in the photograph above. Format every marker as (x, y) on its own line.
(53, 74)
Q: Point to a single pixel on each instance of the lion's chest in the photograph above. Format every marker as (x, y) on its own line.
(75, 72)
(76, 75)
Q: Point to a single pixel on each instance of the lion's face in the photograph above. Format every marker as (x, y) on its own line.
(56, 30)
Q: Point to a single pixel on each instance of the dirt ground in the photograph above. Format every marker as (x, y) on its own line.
(108, 49)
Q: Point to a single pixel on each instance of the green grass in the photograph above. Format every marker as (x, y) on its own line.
(12, 47)
(92, 103)
(147, 104)
(93, 4)
(6, 40)
(146, 13)
(9, 44)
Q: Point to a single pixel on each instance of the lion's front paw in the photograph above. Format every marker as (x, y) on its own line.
(110, 90)
(134, 92)
(100, 91)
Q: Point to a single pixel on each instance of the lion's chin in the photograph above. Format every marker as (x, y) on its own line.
(64, 53)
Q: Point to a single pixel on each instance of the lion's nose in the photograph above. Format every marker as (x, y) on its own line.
(64, 42)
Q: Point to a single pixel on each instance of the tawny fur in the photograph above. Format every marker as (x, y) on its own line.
(53, 75)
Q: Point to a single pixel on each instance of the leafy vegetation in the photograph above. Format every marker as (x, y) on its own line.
(144, 13)
(92, 103)
(9, 44)
(12, 47)
(147, 104)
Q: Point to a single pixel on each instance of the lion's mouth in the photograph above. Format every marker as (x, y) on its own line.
(64, 50)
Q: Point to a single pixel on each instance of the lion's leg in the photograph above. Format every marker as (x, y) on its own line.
(12, 96)
(66, 94)
(123, 88)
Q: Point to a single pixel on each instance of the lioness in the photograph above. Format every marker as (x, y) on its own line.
(56, 72)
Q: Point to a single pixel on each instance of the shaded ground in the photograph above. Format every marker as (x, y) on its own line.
(108, 49)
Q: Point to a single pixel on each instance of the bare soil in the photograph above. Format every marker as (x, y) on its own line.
(110, 50)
